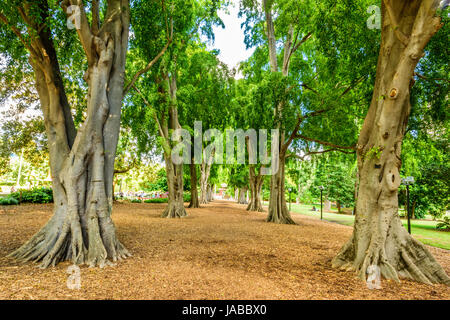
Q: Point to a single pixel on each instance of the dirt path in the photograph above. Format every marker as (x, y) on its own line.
(219, 252)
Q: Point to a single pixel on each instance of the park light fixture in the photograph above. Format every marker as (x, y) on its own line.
(407, 182)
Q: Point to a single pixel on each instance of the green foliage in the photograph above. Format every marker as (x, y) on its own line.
(135, 201)
(35, 195)
(160, 184)
(373, 153)
(186, 198)
(444, 224)
(9, 201)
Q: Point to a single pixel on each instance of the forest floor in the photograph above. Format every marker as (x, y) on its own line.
(220, 251)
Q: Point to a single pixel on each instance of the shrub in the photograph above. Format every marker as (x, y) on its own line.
(157, 200)
(8, 201)
(136, 201)
(35, 195)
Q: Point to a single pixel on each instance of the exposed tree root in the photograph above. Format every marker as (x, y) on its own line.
(56, 243)
(174, 211)
(397, 256)
(255, 205)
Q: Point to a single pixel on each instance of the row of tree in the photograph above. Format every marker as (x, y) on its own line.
(143, 66)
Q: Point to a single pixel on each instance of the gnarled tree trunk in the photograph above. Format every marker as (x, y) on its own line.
(82, 163)
(278, 211)
(175, 206)
(256, 183)
(379, 237)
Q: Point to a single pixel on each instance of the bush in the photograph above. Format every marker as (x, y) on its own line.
(157, 200)
(8, 201)
(35, 195)
(136, 201)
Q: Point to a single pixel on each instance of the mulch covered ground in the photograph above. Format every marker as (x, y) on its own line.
(219, 252)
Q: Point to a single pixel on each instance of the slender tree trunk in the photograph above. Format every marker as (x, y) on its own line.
(256, 183)
(82, 164)
(379, 237)
(204, 177)
(338, 205)
(326, 204)
(194, 191)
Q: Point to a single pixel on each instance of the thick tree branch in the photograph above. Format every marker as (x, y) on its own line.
(147, 68)
(84, 31)
(300, 136)
(430, 79)
(95, 16)
(398, 33)
(297, 127)
(294, 155)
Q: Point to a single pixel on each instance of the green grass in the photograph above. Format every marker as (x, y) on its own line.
(423, 230)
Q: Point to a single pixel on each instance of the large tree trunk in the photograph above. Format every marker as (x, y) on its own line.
(278, 211)
(175, 206)
(256, 183)
(194, 191)
(204, 177)
(82, 164)
(379, 237)
(242, 195)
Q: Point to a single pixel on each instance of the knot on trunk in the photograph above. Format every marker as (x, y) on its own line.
(393, 93)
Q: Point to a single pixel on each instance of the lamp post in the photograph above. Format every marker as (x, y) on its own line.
(321, 190)
(407, 182)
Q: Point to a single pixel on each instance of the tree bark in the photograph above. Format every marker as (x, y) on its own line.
(278, 211)
(82, 163)
(194, 191)
(204, 177)
(256, 183)
(175, 206)
(379, 237)
(242, 193)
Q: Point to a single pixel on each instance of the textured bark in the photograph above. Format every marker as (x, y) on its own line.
(379, 237)
(204, 177)
(242, 195)
(278, 211)
(175, 206)
(256, 183)
(194, 191)
(209, 193)
(81, 228)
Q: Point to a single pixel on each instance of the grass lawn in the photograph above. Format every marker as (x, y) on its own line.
(423, 230)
